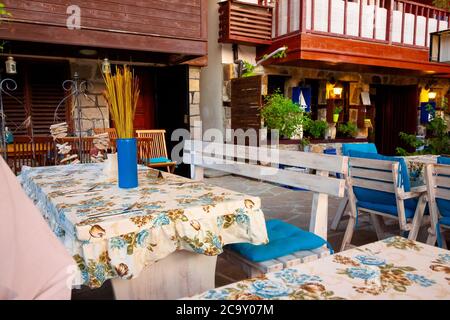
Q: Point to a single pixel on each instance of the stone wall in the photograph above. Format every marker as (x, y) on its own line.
(194, 95)
(94, 109)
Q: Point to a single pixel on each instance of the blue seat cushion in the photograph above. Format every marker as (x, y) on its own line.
(157, 160)
(284, 239)
(388, 209)
(443, 160)
(445, 221)
(443, 206)
(362, 147)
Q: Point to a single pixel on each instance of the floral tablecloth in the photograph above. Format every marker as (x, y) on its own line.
(114, 232)
(395, 268)
(416, 166)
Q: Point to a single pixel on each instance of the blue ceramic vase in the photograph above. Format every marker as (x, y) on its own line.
(127, 163)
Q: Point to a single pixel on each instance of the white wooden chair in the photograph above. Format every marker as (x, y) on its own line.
(438, 189)
(234, 159)
(383, 198)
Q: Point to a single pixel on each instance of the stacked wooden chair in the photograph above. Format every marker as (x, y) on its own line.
(379, 186)
(438, 189)
(288, 245)
(152, 150)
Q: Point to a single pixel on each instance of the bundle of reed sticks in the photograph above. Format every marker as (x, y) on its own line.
(122, 95)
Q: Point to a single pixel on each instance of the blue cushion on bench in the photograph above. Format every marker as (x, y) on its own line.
(284, 239)
(362, 147)
(392, 210)
(157, 160)
(443, 160)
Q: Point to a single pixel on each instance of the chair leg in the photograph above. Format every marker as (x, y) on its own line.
(431, 240)
(378, 224)
(418, 217)
(339, 214)
(348, 233)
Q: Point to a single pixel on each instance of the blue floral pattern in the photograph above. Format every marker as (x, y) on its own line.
(114, 232)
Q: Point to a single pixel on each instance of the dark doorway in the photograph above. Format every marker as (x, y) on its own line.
(396, 111)
(172, 105)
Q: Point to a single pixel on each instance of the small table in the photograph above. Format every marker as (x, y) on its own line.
(393, 269)
(157, 241)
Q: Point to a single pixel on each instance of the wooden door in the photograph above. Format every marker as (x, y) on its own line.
(145, 110)
(396, 111)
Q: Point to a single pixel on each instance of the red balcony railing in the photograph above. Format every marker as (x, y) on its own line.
(391, 21)
(245, 23)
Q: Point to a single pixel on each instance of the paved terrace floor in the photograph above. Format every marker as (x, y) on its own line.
(277, 203)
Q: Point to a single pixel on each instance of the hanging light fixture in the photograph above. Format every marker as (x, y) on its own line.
(10, 66)
(432, 95)
(337, 91)
(106, 66)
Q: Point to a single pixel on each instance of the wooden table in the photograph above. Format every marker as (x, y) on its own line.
(158, 241)
(392, 269)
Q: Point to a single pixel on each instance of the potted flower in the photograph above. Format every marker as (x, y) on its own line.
(282, 114)
(336, 113)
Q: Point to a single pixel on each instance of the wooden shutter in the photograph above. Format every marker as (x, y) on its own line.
(14, 107)
(46, 92)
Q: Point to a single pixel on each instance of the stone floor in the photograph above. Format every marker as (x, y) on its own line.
(277, 202)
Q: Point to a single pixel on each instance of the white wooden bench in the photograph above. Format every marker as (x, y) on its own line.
(247, 161)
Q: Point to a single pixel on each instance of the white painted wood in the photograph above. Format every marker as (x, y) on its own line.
(442, 169)
(173, 277)
(289, 261)
(371, 164)
(270, 266)
(442, 193)
(442, 181)
(418, 216)
(319, 212)
(372, 174)
(310, 160)
(322, 252)
(339, 213)
(374, 185)
(378, 223)
(306, 256)
(324, 184)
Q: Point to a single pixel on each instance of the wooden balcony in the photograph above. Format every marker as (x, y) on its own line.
(368, 33)
(245, 23)
(177, 27)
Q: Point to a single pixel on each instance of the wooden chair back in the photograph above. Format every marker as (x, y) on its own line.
(263, 164)
(112, 132)
(153, 143)
(87, 146)
(437, 178)
(36, 152)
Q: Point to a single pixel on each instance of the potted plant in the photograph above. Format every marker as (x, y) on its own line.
(348, 129)
(317, 128)
(336, 113)
(281, 113)
(122, 94)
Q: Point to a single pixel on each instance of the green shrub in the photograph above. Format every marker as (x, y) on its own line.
(348, 129)
(317, 128)
(283, 114)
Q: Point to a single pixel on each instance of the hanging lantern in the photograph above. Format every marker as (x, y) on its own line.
(10, 66)
(106, 66)
(432, 95)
